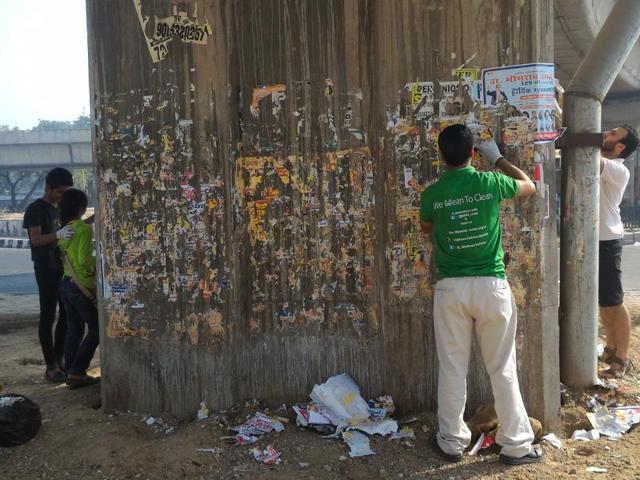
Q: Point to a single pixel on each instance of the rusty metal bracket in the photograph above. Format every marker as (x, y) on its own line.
(580, 140)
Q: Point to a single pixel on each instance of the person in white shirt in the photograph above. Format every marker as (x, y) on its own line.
(619, 143)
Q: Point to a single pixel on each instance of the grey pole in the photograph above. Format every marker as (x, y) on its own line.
(581, 194)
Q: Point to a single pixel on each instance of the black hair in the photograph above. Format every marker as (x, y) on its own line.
(456, 142)
(59, 177)
(72, 203)
(630, 142)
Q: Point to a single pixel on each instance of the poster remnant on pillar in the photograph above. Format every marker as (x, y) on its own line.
(530, 88)
(467, 73)
(179, 25)
(423, 94)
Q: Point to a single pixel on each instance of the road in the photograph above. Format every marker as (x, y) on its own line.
(16, 270)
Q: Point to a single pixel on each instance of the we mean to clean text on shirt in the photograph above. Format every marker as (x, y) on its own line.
(464, 200)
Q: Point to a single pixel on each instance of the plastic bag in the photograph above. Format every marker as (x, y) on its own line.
(340, 397)
(19, 420)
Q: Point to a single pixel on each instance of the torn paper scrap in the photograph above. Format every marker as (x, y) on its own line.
(476, 447)
(615, 421)
(383, 428)
(553, 440)
(358, 444)
(585, 436)
(241, 439)
(381, 407)
(404, 433)
(306, 415)
(596, 470)
(209, 450)
(259, 424)
(268, 456)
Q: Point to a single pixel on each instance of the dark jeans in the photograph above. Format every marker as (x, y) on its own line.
(48, 280)
(80, 311)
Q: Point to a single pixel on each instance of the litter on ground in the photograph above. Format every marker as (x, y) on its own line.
(596, 470)
(613, 422)
(203, 413)
(358, 443)
(553, 439)
(484, 441)
(209, 450)
(405, 433)
(258, 425)
(268, 456)
(339, 411)
(586, 436)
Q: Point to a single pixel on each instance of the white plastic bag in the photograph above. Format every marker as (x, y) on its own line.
(342, 401)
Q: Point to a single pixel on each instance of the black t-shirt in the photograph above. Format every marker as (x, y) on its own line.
(47, 217)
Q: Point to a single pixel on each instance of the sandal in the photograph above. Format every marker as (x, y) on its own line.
(86, 381)
(618, 369)
(446, 456)
(608, 355)
(57, 377)
(534, 457)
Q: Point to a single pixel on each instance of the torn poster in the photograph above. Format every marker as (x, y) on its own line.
(423, 94)
(178, 25)
(275, 91)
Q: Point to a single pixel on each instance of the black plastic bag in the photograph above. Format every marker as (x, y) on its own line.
(19, 420)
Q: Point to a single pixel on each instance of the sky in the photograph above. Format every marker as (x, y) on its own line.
(43, 61)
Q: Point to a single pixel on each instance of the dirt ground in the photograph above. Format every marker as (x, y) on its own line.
(79, 441)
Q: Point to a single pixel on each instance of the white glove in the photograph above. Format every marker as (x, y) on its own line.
(489, 150)
(65, 233)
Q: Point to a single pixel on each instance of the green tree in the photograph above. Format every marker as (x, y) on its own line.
(83, 121)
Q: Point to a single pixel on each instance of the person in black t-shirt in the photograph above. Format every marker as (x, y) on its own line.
(43, 225)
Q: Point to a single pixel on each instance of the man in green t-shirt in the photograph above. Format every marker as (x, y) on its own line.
(462, 210)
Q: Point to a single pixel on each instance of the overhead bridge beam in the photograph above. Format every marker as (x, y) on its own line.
(35, 150)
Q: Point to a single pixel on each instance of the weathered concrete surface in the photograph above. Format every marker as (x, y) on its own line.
(258, 216)
(45, 149)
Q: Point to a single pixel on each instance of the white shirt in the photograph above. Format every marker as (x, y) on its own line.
(613, 181)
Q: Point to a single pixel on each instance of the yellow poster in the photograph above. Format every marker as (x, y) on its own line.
(467, 73)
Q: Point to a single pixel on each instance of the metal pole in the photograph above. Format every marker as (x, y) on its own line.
(581, 194)
(579, 247)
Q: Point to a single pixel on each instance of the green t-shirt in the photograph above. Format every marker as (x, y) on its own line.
(80, 252)
(464, 207)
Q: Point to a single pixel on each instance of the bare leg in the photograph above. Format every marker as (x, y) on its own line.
(620, 323)
(608, 325)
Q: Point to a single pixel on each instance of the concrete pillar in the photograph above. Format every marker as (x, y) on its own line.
(579, 247)
(258, 211)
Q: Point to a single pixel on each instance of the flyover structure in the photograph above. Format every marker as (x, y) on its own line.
(576, 25)
(45, 149)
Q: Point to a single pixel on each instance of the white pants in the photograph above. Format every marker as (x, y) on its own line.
(487, 303)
